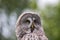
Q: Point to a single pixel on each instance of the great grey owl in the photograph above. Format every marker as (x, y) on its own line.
(28, 27)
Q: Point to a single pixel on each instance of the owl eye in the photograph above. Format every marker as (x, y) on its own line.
(27, 21)
(36, 21)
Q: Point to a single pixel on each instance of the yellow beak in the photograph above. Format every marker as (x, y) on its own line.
(32, 27)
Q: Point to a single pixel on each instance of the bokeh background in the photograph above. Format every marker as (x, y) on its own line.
(49, 11)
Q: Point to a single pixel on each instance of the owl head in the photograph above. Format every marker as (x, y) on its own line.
(28, 23)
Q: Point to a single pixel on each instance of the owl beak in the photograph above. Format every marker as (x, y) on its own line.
(32, 27)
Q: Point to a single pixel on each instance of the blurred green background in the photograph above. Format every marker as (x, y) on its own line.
(49, 11)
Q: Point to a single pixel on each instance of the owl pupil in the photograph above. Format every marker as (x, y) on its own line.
(35, 21)
(27, 21)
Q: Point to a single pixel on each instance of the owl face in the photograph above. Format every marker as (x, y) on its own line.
(30, 22)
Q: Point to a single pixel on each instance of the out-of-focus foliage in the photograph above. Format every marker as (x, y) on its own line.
(18, 5)
(51, 18)
(33, 4)
(11, 5)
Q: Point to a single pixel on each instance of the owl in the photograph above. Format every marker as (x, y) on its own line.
(28, 27)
